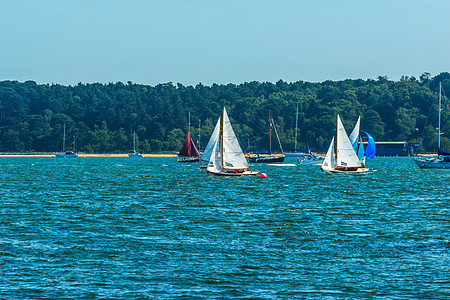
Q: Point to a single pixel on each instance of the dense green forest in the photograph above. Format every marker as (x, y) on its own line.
(100, 118)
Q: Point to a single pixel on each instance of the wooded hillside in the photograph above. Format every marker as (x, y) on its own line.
(102, 117)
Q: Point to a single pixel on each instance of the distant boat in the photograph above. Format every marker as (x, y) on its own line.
(311, 160)
(189, 152)
(226, 158)
(270, 158)
(443, 159)
(134, 154)
(66, 154)
(341, 156)
(297, 152)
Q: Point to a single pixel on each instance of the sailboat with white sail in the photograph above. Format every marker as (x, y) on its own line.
(69, 153)
(342, 154)
(134, 154)
(442, 161)
(227, 158)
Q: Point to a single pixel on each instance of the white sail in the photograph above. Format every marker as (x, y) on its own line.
(215, 161)
(212, 140)
(233, 157)
(330, 159)
(355, 139)
(346, 155)
(354, 136)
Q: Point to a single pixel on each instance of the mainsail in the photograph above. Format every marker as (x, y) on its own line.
(233, 157)
(189, 148)
(345, 154)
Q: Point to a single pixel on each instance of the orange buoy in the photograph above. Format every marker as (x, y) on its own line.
(263, 175)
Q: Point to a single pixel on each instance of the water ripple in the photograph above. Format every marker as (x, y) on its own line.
(153, 228)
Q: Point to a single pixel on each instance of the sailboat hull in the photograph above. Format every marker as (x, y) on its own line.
(66, 155)
(232, 174)
(432, 163)
(311, 161)
(296, 154)
(345, 170)
(189, 159)
(266, 159)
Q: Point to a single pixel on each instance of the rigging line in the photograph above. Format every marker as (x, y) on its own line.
(277, 136)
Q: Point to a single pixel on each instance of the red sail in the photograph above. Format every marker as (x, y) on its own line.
(189, 148)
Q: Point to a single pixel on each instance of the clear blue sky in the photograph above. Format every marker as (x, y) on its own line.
(230, 41)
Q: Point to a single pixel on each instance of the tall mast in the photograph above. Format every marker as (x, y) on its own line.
(221, 136)
(189, 129)
(296, 125)
(270, 135)
(134, 141)
(439, 125)
(64, 137)
(199, 135)
(337, 133)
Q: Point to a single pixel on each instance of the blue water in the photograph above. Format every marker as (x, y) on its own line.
(121, 228)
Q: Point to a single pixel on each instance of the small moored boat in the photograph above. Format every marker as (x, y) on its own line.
(270, 158)
(189, 152)
(134, 154)
(442, 161)
(66, 154)
(311, 160)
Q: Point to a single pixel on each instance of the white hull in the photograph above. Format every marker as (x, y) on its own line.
(311, 161)
(296, 154)
(223, 173)
(343, 171)
(432, 163)
(62, 155)
(135, 155)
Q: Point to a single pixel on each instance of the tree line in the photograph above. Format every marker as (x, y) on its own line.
(101, 118)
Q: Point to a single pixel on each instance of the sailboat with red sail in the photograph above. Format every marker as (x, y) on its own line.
(189, 152)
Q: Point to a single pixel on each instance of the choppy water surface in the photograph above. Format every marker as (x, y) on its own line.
(155, 228)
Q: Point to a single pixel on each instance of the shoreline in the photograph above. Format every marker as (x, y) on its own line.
(86, 155)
